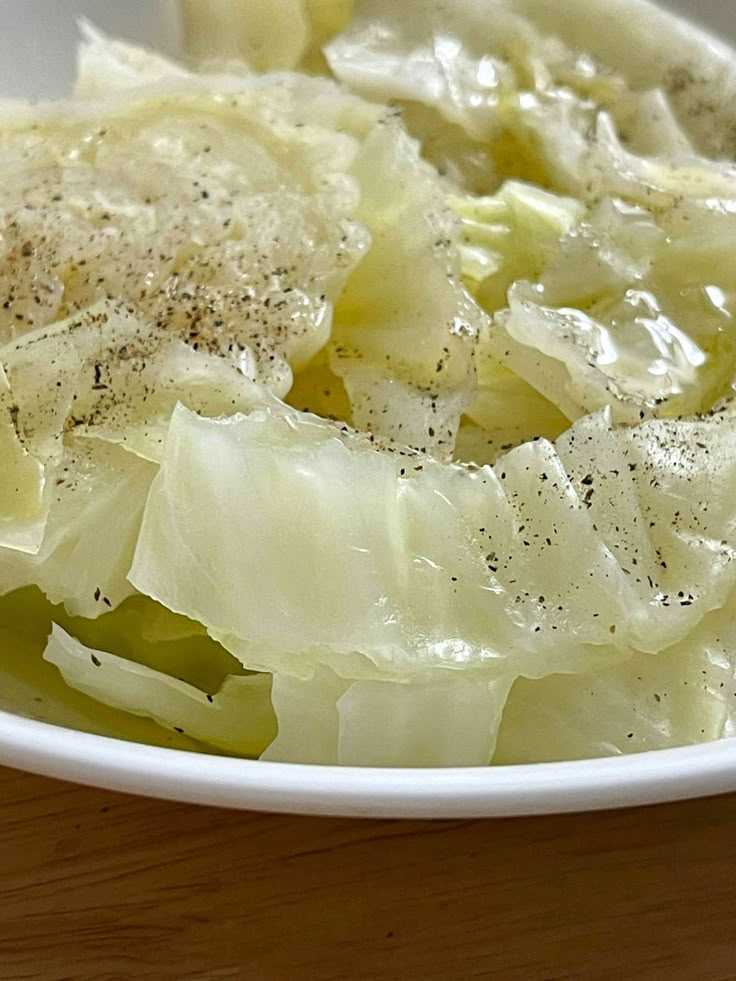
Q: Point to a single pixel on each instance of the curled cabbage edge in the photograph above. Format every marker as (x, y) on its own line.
(237, 719)
(539, 561)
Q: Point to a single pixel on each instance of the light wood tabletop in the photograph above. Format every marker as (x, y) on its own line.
(96, 885)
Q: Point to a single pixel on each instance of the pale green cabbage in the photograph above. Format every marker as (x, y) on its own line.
(96, 500)
(537, 561)
(501, 235)
(33, 688)
(326, 719)
(260, 34)
(420, 572)
(237, 718)
(681, 696)
(407, 367)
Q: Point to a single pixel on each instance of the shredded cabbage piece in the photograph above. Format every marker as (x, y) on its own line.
(34, 689)
(96, 503)
(237, 718)
(106, 374)
(260, 35)
(615, 305)
(407, 368)
(683, 695)
(326, 719)
(524, 575)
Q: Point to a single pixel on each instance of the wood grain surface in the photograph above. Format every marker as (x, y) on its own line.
(96, 885)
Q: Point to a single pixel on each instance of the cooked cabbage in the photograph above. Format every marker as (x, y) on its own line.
(610, 304)
(237, 718)
(449, 722)
(683, 695)
(377, 420)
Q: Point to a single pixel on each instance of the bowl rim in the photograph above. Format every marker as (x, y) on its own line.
(464, 792)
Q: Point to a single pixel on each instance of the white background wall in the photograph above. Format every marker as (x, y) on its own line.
(718, 15)
(25, 67)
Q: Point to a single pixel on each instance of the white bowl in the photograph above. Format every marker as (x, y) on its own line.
(37, 41)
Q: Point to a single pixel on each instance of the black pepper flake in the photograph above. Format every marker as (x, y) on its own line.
(95, 660)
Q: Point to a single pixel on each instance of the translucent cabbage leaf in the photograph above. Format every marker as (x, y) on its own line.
(511, 235)
(633, 311)
(437, 54)
(660, 496)
(554, 560)
(105, 375)
(652, 48)
(259, 34)
(447, 723)
(655, 180)
(681, 696)
(509, 89)
(33, 688)
(218, 208)
(237, 719)
(108, 375)
(106, 64)
(421, 566)
(23, 497)
(407, 367)
(531, 87)
(452, 722)
(507, 409)
(307, 718)
(95, 509)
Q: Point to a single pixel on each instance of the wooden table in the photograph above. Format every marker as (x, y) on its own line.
(100, 886)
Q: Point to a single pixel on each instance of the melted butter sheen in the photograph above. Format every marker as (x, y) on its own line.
(220, 236)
